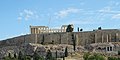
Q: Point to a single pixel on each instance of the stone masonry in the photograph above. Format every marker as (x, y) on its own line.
(82, 38)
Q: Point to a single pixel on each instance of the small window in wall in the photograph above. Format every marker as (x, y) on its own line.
(118, 52)
(99, 47)
(107, 48)
(110, 48)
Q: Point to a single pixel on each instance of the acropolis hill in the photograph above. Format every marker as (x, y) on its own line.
(44, 35)
(41, 34)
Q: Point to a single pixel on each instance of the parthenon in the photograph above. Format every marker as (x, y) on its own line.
(46, 29)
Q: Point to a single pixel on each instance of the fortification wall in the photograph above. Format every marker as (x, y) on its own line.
(82, 38)
(18, 40)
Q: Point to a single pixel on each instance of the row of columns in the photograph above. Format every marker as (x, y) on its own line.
(38, 30)
(34, 30)
(63, 29)
(108, 37)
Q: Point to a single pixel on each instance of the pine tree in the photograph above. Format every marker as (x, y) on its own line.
(86, 56)
(15, 55)
(9, 55)
(99, 28)
(36, 56)
(63, 58)
(69, 28)
(74, 42)
(66, 52)
(20, 56)
(78, 29)
(43, 40)
(56, 54)
(81, 29)
(49, 55)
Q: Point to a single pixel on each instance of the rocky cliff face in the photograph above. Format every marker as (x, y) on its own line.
(29, 49)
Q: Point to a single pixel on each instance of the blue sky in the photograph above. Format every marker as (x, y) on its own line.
(17, 15)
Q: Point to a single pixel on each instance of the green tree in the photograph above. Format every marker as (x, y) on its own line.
(6, 58)
(66, 52)
(91, 57)
(99, 28)
(9, 55)
(56, 54)
(113, 58)
(86, 56)
(43, 38)
(49, 55)
(74, 42)
(119, 58)
(37, 57)
(27, 58)
(69, 28)
(78, 29)
(15, 56)
(63, 58)
(81, 29)
(20, 55)
(98, 57)
(118, 52)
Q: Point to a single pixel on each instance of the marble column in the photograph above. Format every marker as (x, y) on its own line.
(95, 37)
(37, 30)
(76, 37)
(102, 38)
(33, 30)
(117, 37)
(107, 38)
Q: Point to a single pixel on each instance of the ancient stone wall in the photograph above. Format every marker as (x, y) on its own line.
(18, 40)
(81, 38)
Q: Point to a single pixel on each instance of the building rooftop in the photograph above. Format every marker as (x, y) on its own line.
(38, 26)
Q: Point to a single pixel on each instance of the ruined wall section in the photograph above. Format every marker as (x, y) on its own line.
(82, 38)
(107, 36)
(56, 38)
(18, 40)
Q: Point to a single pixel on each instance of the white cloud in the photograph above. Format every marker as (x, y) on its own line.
(116, 16)
(19, 18)
(86, 21)
(21, 14)
(110, 11)
(105, 9)
(27, 14)
(66, 12)
(111, 8)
